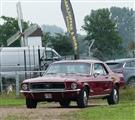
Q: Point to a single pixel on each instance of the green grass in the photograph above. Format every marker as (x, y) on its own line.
(127, 94)
(125, 110)
(11, 100)
(115, 112)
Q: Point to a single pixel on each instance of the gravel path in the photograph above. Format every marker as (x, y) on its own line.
(42, 112)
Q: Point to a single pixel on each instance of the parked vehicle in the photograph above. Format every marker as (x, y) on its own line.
(26, 58)
(126, 67)
(73, 80)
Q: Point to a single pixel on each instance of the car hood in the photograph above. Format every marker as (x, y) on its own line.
(57, 78)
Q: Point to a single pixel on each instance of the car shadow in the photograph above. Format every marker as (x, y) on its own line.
(74, 106)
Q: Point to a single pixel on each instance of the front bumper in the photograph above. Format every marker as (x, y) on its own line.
(57, 94)
(49, 90)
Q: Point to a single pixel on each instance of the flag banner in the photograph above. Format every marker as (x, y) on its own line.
(69, 18)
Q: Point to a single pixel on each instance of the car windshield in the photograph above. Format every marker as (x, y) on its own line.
(115, 65)
(69, 68)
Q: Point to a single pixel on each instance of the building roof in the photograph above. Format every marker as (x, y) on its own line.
(38, 32)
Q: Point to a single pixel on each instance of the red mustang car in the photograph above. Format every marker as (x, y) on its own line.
(73, 80)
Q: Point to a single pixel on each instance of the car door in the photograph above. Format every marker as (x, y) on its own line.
(129, 70)
(101, 83)
(106, 79)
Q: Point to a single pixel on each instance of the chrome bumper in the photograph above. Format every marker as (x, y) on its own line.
(49, 90)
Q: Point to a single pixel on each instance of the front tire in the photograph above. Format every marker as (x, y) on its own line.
(114, 97)
(30, 103)
(64, 103)
(82, 101)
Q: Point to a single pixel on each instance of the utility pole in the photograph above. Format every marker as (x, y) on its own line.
(90, 46)
(1, 85)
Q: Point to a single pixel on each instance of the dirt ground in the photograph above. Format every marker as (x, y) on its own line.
(44, 111)
(48, 111)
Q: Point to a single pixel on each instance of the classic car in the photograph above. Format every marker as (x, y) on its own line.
(73, 80)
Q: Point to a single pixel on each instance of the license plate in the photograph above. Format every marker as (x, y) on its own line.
(48, 96)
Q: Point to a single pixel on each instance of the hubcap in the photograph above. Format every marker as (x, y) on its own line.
(115, 97)
(85, 98)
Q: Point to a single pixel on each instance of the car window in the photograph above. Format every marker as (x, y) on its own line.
(128, 64)
(69, 68)
(115, 65)
(133, 64)
(50, 54)
(100, 69)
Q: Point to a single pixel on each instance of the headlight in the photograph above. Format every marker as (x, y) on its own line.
(24, 86)
(74, 86)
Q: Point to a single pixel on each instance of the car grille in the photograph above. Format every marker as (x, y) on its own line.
(41, 86)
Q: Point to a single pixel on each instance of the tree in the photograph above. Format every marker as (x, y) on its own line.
(99, 26)
(52, 29)
(9, 28)
(131, 48)
(62, 44)
(125, 21)
(46, 40)
(83, 45)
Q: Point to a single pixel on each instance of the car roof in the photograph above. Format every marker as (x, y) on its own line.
(120, 60)
(80, 61)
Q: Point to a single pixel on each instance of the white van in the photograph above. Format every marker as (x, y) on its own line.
(26, 58)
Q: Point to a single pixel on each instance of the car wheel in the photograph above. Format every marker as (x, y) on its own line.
(30, 103)
(64, 103)
(114, 97)
(131, 82)
(82, 101)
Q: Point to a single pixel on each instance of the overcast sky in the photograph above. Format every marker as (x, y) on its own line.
(49, 11)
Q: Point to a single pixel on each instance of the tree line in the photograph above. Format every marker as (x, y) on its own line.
(112, 29)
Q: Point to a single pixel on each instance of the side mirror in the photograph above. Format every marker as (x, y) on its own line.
(96, 74)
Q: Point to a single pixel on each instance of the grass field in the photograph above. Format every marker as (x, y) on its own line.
(125, 110)
(11, 100)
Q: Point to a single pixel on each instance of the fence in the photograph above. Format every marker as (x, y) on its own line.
(11, 81)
